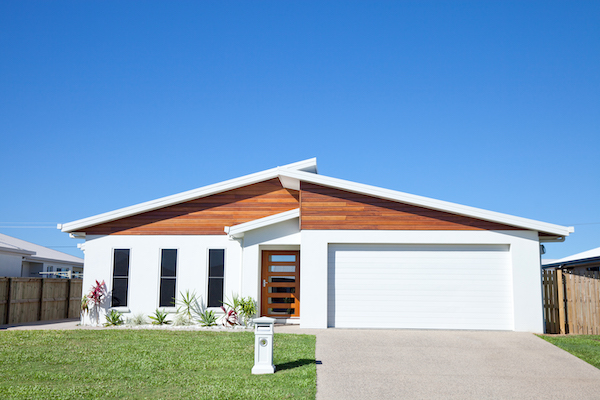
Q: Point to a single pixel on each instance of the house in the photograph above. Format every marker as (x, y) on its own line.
(587, 261)
(322, 252)
(19, 258)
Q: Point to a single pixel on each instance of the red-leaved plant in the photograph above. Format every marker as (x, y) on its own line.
(97, 293)
(96, 296)
(230, 318)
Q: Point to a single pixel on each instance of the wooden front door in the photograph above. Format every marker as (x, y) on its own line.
(280, 296)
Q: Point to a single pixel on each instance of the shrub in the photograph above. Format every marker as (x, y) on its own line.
(244, 307)
(159, 317)
(208, 318)
(137, 319)
(113, 318)
(189, 306)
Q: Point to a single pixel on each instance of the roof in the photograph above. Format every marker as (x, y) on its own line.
(589, 256)
(35, 252)
(306, 171)
(238, 231)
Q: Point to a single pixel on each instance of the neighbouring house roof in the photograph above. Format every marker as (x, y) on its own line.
(586, 257)
(35, 252)
(291, 176)
(547, 261)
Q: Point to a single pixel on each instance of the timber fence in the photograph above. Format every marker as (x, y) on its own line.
(39, 299)
(571, 301)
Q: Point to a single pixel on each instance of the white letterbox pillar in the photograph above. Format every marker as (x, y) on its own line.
(263, 346)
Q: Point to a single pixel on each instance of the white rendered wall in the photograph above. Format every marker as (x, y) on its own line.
(10, 264)
(524, 257)
(144, 268)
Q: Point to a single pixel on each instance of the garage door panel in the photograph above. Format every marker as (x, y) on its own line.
(420, 286)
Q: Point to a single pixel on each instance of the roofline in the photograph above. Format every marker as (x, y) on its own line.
(53, 260)
(426, 202)
(310, 164)
(237, 231)
(573, 263)
(17, 251)
(296, 172)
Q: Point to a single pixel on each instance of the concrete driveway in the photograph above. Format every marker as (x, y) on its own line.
(413, 364)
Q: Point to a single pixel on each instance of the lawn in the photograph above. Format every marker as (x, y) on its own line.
(586, 347)
(151, 364)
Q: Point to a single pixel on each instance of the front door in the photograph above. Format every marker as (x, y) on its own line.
(280, 284)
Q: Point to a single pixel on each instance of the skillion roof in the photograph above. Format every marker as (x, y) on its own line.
(306, 171)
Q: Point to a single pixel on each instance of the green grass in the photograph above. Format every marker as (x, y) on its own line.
(148, 364)
(586, 347)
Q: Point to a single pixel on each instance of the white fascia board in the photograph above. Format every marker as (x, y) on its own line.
(429, 203)
(16, 251)
(54, 260)
(238, 231)
(309, 165)
(186, 196)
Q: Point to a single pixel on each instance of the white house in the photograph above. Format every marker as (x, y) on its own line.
(322, 252)
(19, 258)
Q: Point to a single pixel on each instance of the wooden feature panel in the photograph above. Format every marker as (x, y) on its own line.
(280, 294)
(324, 208)
(207, 215)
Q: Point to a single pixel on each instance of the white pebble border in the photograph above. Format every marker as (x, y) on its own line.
(170, 327)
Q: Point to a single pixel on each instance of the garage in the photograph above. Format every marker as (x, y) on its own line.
(420, 286)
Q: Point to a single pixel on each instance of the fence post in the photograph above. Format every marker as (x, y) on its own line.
(8, 300)
(41, 299)
(68, 297)
(561, 301)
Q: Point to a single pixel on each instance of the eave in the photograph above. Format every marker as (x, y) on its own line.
(237, 231)
(528, 224)
(80, 225)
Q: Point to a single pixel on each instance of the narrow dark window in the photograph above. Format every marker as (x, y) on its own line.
(168, 277)
(216, 277)
(120, 277)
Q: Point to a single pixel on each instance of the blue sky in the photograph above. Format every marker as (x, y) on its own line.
(108, 104)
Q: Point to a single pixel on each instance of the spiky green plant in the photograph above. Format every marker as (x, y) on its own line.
(113, 318)
(189, 305)
(159, 317)
(85, 305)
(208, 318)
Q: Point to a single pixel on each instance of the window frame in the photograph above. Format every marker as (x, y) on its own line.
(208, 275)
(160, 278)
(122, 307)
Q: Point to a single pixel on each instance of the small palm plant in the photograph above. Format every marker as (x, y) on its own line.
(189, 306)
(208, 318)
(113, 318)
(159, 317)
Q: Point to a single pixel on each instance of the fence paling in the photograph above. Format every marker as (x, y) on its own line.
(572, 301)
(37, 299)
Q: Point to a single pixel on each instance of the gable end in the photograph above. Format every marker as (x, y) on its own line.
(325, 208)
(207, 215)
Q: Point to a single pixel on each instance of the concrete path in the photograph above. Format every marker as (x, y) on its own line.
(411, 364)
(44, 325)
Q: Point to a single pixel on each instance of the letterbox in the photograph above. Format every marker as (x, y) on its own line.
(263, 346)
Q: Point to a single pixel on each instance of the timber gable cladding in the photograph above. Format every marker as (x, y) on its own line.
(325, 208)
(321, 208)
(207, 215)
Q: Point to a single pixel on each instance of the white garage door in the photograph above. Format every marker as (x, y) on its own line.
(420, 286)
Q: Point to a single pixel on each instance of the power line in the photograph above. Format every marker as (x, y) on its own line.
(28, 227)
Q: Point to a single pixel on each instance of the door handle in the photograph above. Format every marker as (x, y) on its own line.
(264, 283)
